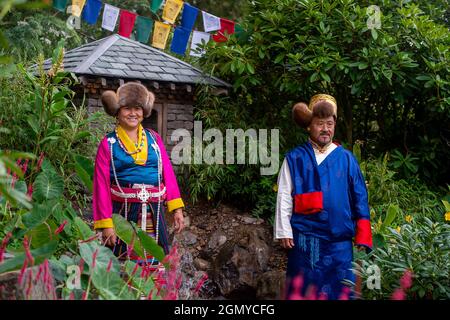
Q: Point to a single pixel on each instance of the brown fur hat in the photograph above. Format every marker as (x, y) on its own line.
(303, 113)
(131, 94)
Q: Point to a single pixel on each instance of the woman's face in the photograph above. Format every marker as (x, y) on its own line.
(130, 117)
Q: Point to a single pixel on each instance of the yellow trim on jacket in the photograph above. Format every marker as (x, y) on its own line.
(174, 204)
(104, 223)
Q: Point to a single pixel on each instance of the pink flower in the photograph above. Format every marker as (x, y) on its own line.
(22, 271)
(94, 257)
(4, 244)
(108, 269)
(406, 280)
(30, 191)
(26, 245)
(345, 294)
(398, 294)
(39, 163)
(61, 227)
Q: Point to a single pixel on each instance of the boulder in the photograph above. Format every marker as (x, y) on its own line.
(240, 262)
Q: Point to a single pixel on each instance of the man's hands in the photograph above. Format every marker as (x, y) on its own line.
(178, 220)
(109, 237)
(287, 243)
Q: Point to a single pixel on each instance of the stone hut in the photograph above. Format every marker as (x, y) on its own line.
(107, 63)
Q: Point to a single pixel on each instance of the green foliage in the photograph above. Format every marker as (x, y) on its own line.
(299, 48)
(423, 247)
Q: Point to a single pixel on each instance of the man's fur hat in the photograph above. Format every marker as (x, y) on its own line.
(320, 104)
(130, 94)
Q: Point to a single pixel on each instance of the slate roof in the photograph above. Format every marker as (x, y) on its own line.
(117, 56)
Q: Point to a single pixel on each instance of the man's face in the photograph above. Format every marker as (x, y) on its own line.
(321, 130)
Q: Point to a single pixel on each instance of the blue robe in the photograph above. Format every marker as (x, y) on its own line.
(330, 208)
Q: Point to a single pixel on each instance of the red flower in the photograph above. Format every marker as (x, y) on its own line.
(61, 227)
(26, 245)
(108, 269)
(398, 294)
(406, 280)
(4, 244)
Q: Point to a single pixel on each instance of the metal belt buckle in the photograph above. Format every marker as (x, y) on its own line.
(143, 194)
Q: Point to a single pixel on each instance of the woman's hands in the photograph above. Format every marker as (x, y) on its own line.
(109, 237)
(178, 220)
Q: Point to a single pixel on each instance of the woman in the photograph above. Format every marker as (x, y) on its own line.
(133, 175)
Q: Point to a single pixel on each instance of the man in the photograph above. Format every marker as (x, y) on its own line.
(321, 205)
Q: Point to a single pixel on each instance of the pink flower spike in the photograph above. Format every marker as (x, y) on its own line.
(108, 269)
(4, 244)
(61, 227)
(26, 245)
(345, 294)
(406, 280)
(81, 265)
(201, 282)
(25, 166)
(398, 294)
(39, 163)
(72, 296)
(22, 271)
(94, 257)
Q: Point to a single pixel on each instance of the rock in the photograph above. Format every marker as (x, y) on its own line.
(187, 221)
(187, 238)
(201, 264)
(240, 262)
(250, 220)
(218, 238)
(10, 289)
(270, 285)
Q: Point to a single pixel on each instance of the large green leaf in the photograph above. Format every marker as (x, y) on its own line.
(42, 234)
(85, 170)
(39, 214)
(391, 214)
(111, 286)
(83, 229)
(48, 185)
(103, 256)
(149, 244)
(39, 255)
(125, 231)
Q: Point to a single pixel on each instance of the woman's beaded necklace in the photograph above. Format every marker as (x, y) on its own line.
(139, 145)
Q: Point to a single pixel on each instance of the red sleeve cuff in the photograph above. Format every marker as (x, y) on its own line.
(363, 235)
(307, 203)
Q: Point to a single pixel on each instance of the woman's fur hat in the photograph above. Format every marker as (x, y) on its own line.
(303, 113)
(131, 94)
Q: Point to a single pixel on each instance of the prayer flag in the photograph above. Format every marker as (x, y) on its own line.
(171, 10)
(77, 7)
(198, 38)
(144, 27)
(226, 27)
(155, 5)
(160, 34)
(180, 40)
(91, 11)
(189, 16)
(60, 5)
(210, 22)
(110, 15)
(126, 23)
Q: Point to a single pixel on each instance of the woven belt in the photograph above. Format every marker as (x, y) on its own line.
(139, 193)
(142, 195)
